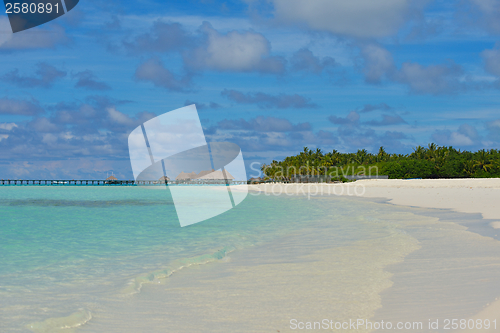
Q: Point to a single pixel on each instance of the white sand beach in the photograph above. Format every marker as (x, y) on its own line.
(411, 267)
(462, 195)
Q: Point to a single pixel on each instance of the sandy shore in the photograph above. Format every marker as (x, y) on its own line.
(462, 195)
(410, 267)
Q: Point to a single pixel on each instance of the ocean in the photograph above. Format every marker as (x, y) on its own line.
(115, 259)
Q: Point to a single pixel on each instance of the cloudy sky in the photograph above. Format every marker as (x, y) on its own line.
(272, 76)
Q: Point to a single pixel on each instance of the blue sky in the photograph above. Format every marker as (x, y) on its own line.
(272, 76)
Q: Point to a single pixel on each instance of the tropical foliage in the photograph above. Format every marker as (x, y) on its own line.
(432, 161)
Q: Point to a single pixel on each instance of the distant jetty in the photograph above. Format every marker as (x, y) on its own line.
(66, 182)
(208, 177)
(73, 182)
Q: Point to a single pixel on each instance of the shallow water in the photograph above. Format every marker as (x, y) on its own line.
(103, 257)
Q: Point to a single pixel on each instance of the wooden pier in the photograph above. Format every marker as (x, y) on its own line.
(44, 182)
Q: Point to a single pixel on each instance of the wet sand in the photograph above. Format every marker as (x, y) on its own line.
(424, 269)
(462, 195)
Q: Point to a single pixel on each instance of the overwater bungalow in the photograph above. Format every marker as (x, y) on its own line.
(111, 180)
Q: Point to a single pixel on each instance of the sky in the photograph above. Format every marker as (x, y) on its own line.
(272, 76)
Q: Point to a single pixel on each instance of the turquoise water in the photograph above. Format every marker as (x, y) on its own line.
(61, 248)
(68, 251)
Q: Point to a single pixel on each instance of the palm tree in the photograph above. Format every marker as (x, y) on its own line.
(361, 156)
(419, 152)
(469, 168)
(431, 150)
(381, 156)
(482, 161)
(315, 162)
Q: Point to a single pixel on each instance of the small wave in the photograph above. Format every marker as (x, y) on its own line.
(137, 283)
(62, 324)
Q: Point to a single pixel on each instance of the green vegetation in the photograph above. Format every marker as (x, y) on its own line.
(431, 162)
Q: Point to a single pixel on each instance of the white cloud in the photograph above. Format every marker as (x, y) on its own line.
(490, 10)
(49, 138)
(154, 71)
(494, 129)
(466, 135)
(495, 124)
(45, 75)
(351, 119)
(34, 38)
(459, 139)
(378, 63)
(358, 18)
(119, 117)
(305, 60)
(492, 61)
(7, 126)
(486, 5)
(432, 79)
(43, 125)
(235, 52)
(162, 37)
(19, 107)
